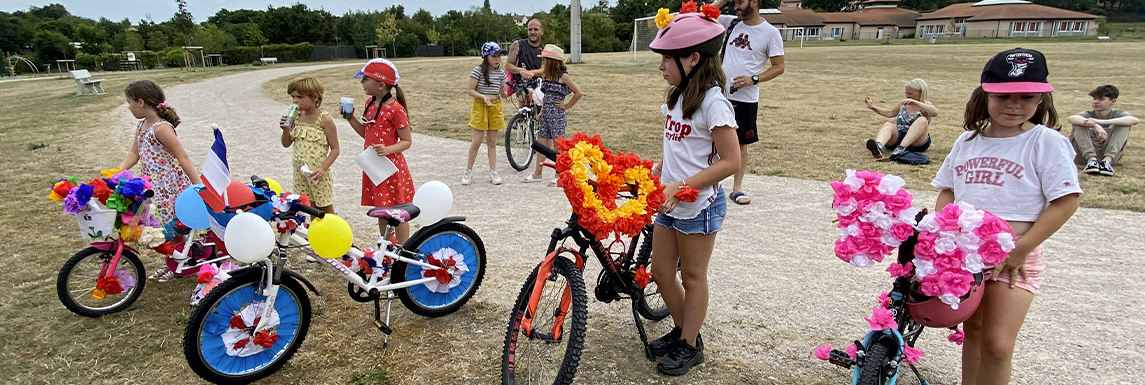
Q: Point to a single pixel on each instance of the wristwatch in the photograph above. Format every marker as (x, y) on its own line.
(755, 79)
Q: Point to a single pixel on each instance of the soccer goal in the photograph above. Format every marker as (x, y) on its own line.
(797, 33)
(643, 32)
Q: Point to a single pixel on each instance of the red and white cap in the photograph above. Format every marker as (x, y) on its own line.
(381, 70)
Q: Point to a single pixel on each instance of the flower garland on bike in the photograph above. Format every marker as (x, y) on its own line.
(594, 198)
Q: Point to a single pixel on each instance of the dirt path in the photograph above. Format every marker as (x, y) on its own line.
(777, 291)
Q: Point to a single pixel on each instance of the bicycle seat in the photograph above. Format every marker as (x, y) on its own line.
(396, 215)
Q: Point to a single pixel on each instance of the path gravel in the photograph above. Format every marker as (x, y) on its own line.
(777, 290)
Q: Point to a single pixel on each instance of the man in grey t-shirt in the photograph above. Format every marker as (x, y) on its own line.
(1101, 133)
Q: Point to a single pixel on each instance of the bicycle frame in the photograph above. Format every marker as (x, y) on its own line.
(298, 239)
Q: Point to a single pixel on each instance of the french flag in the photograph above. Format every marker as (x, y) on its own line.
(216, 171)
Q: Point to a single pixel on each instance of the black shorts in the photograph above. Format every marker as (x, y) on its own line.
(746, 114)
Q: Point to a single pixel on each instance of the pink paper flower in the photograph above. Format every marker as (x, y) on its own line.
(898, 270)
(955, 282)
(884, 300)
(911, 355)
(948, 261)
(957, 337)
(992, 253)
(902, 231)
(842, 193)
(881, 319)
(845, 249)
(823, 352)
(852, 351)
(929, 285)
(899, 201)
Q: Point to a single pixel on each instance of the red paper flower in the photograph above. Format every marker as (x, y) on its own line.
(109, 285)
(687, 7)
(710, 11)
(165, 248)
(241, 343)
(237, 323)
(687, 194)
(643, 277)
(100, 190)
(265, 339)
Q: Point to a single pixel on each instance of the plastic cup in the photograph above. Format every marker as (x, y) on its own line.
(347, 108)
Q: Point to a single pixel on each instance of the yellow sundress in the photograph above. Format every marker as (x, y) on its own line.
(311, 148)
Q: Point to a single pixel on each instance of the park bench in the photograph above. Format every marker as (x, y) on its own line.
(269, 60)
(84, 83)
(1103, 39)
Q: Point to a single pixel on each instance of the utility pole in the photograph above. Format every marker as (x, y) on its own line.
(574, 32)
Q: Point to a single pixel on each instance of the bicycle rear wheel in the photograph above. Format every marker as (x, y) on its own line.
(519, 137)
(453, 241)
(540, 357)
(78, 281)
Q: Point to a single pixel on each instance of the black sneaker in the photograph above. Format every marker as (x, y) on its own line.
(1091, 167)
(898, 151)
(682, 358)
(663, 345)
(1105, 168)
(875, 148)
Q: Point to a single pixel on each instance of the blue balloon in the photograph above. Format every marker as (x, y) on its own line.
(190, 208)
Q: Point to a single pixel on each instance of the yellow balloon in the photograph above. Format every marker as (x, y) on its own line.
(330, 237)
(274, 186)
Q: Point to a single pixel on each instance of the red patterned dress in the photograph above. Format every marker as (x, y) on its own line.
(382, 124)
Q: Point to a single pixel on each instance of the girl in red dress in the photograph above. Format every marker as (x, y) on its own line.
(385, 127)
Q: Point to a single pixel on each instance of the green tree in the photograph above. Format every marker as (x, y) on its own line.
(52, 11)
(828, 5)
(213, 39)
(15, 33)
(387, 31)
(183, 22)
(93, 39)
(50, 45)
(128, 41)
(250, 35)
(157, 41)
(432, 35)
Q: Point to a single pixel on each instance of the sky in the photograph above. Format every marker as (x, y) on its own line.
(162, 10)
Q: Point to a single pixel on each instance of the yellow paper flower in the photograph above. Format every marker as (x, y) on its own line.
(663, 17)
(109, 172)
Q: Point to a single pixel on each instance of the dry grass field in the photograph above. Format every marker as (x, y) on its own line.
(813, 119)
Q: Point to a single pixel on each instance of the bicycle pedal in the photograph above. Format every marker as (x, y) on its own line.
(385, 329)
(841, 358)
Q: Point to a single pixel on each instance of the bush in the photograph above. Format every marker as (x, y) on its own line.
(173, 57)
(1096, 11)
(284, 52)
(909, 35)
(89, 61)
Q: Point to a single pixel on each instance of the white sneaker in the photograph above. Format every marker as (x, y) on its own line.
(467, 178)
(494, 178)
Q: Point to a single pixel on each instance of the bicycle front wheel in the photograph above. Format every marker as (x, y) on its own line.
(519, 137)
(452, 244)
(549, 353)
(80, 290)
(876, 369)
(218, 343)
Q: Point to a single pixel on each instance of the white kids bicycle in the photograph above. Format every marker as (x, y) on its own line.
(233, 336)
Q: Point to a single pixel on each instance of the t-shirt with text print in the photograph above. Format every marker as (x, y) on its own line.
(1013, 177)
(689, 148)
(748, 49)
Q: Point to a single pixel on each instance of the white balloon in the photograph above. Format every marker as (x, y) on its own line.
(249, 238)
(435, 199)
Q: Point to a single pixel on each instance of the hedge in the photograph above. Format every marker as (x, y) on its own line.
(284, 52)
(110, 61)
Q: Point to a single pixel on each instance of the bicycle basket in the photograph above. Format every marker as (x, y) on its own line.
(932, 312)
(96, 221)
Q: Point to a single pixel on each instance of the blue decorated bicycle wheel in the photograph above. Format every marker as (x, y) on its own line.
(453, 246)
(218, 343)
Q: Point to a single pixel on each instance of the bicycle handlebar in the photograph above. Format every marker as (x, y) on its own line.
(545, 150)
(311, 211)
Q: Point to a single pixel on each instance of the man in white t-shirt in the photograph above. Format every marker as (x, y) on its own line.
(750, 43)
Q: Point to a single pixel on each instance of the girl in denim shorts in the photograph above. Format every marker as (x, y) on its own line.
(700, 149)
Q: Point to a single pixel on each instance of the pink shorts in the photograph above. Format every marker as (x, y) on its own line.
(1035, 266)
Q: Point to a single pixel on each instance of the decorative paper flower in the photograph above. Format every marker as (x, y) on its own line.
(957, 337)
(72, 204)
(643, 277)
(118, 203)
(663, 16)
(911, 355)
(710, 11)
(874, 215)
(852, 351)
(133, 188)
(688, 6)
(100, 191)
(885, 300)
(165, 248)
(881, 319)
(109, 285)
(237, 338)
(150, 237)
(823, 352)
(898, 270)
(595, 201)
(953, 245)
(110, 172)
(687, 194)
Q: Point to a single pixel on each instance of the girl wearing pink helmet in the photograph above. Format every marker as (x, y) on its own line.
(1013, 164)
(700, 150)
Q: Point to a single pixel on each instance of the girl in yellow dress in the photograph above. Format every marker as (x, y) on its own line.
(315, 141)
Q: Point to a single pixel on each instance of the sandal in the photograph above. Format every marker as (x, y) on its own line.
(740, 198)
(553, 183)
(531, 179)
(162, 275)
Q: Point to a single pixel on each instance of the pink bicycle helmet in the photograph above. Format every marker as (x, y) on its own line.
(932, 312)
(687, 33)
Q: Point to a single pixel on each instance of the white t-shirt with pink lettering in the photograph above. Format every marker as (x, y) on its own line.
(689, 148)
(1015, 177)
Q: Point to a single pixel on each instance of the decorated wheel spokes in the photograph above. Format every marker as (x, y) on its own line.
(452, 267)
(593, 178)
(240, 338)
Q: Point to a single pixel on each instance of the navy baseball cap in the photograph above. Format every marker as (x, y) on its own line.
(1017, 71)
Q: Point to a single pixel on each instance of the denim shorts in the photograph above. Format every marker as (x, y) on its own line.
(707, 222)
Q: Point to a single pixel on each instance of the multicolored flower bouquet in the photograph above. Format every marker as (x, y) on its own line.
(593, 177)
(116, 204)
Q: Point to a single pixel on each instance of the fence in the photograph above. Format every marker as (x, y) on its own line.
(328, 52)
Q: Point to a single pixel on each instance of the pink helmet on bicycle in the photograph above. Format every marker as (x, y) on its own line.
(932, 312)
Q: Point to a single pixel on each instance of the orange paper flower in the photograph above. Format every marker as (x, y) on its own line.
(710, 11)
(689, 6)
